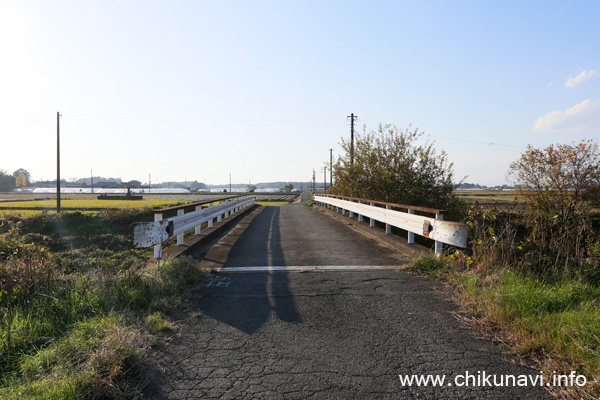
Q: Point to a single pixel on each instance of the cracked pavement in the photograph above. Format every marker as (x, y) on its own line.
(320, 335)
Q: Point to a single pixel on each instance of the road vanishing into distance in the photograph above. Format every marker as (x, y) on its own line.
(348, 332)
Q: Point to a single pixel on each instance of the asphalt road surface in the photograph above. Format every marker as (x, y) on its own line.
(296, 333)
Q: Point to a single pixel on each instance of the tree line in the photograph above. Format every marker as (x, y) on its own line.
(19, 178)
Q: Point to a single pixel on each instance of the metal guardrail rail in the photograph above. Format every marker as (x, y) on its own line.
(146, 234)
(452, 233)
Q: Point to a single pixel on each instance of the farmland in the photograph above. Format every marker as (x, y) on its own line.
(509, 200)
(487, 198)
(27, 204)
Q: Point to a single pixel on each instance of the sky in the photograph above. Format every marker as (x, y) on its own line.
(198, 90)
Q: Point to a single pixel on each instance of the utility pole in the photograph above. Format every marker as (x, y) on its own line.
(314, 182)
(58, 162)
(352, 118)
(330, 168)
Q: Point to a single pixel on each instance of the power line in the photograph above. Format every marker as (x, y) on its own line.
(216, 122)
(479, 143)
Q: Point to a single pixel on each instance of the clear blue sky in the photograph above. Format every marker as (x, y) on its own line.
(261, 89)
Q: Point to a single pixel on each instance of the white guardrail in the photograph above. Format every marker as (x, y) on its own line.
(146, 234)
(452, 233)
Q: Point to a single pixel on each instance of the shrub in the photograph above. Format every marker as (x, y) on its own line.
(557, 182)
(389, 165)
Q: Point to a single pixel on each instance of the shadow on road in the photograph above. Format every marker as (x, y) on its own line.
(247, 301)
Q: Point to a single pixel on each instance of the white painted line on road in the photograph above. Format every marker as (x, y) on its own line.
(219, 281)
(274, 268)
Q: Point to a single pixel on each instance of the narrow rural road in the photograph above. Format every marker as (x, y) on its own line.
(333, 334)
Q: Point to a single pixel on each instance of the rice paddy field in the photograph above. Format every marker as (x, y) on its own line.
(489, 197)
(29, 204)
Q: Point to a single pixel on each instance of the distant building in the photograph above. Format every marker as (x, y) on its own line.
(51, 184)
(133, 184)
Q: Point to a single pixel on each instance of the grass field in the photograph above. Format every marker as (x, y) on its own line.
(33, 207)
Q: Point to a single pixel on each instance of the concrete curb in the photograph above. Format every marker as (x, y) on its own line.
(208, 234)
(397, 243)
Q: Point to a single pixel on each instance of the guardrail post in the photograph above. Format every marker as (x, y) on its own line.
(388, 227)
(351, 213)
(411, 235)
(220, 215)
(180, 236)
(439, 246)
(158, 247)
(198, 228)
(210, 221)
(372, 223)
(360, 217)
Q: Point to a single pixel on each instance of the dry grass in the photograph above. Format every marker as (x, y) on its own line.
(498, 198)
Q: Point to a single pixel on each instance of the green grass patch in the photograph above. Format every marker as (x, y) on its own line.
(157, 322)
(88, 360)
(560, 317)
(78, 306)
(431, 264)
